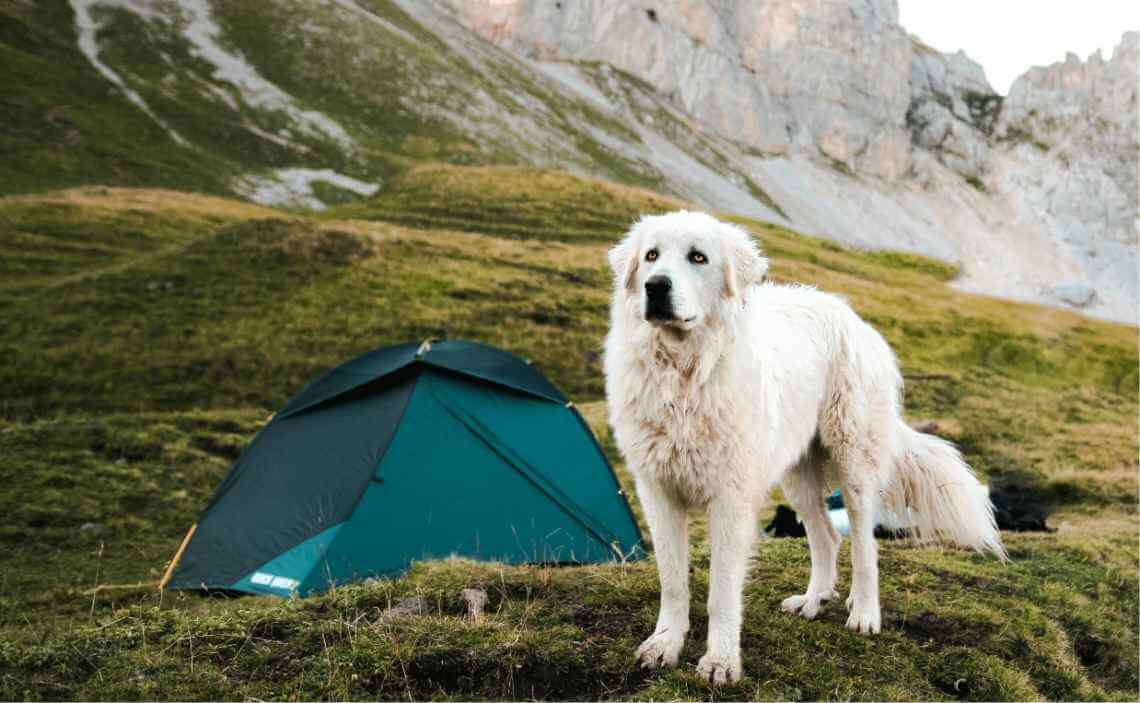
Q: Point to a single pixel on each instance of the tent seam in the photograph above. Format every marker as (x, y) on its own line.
(613, 474)
(568, 505)
(415, 380)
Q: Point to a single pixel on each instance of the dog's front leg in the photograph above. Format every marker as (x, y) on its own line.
(732, 530)
(668, 524)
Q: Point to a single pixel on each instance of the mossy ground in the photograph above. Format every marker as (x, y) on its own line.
(148, 334)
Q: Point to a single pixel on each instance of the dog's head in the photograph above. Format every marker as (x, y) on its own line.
(682, 270)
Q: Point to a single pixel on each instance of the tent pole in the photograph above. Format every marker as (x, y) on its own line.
(177, 557)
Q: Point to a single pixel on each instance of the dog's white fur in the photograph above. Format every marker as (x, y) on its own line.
(756, 385)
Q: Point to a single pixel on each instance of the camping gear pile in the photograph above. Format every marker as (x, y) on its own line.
(1017, 508)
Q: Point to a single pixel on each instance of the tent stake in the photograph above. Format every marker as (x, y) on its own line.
(177, 557)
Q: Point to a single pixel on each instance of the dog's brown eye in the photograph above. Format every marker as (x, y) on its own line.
(697, 257)
(651, 255)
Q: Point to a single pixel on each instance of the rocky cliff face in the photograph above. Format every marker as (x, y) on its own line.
(861, 133)
(829, 76)
(1069, 159)
(952, 111)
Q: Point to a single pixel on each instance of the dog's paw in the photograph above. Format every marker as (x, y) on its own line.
(719, 669)
(807, 605)
(864, 618)
(661, 650)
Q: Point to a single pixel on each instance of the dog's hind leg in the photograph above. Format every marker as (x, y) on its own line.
(668, 524)
(804, 487)
(860, 500)
(858, 429)
(864, 458)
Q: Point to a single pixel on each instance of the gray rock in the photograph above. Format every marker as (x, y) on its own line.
(475, 599)
(1078, 294)
(92, 527)
(407, 607)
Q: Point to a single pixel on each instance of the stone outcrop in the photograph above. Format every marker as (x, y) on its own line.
(952, 111)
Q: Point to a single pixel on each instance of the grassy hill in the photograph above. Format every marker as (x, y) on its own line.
(198, 96)
(147, 334)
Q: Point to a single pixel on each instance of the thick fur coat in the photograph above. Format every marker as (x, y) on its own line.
(721, 386)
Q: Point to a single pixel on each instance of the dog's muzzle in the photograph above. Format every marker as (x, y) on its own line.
(659, 299)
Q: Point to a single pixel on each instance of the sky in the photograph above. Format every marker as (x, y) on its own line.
(1008, 36)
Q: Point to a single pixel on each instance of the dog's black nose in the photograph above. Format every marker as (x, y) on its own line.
(658, 286)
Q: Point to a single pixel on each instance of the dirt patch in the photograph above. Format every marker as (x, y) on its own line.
(328, 246)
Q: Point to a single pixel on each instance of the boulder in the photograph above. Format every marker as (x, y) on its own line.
(1078, 294)
(475, 599)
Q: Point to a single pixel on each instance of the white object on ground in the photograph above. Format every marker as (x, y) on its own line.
(883, 518)
(293, 187)
(840, 520)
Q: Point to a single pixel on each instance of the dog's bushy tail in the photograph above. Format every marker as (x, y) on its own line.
(936, 492)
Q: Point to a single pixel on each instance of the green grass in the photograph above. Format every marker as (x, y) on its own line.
(1055, 624)
(65, 125)
(511, 202)
(148, 334)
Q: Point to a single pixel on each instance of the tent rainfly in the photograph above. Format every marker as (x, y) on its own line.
(406, 453)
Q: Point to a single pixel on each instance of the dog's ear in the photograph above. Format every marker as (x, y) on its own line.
(624, 260)
(743, 263)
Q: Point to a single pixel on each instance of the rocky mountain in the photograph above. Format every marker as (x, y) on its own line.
(862, 133)
(824, 116)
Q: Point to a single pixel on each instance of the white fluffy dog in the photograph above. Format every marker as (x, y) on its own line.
(721, 386)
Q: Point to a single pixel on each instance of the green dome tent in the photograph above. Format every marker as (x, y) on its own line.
(406, 453)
